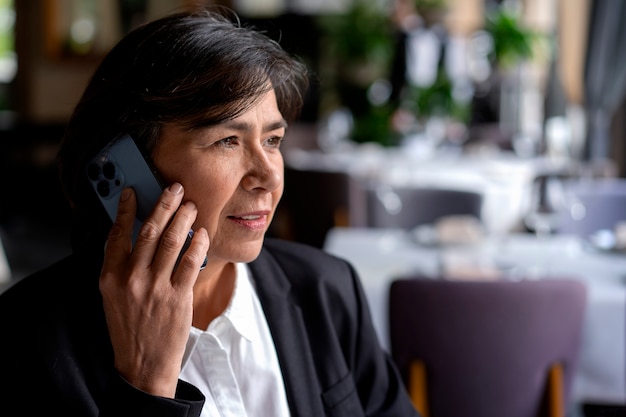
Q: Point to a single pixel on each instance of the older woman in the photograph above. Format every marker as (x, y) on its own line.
(264, 327)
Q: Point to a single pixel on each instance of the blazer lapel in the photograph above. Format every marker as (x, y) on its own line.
(284, 317)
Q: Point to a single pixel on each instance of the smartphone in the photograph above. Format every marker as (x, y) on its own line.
(121, 164)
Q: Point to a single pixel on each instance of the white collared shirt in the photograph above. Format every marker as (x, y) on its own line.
(234, 361)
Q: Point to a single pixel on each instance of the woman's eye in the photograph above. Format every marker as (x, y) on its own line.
(275, 141)
(227, 142)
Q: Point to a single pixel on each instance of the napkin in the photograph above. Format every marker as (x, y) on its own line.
(459, 229)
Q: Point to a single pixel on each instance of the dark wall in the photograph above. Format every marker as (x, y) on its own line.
(299, 35)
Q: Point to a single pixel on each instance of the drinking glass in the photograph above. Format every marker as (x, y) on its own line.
(547, 205)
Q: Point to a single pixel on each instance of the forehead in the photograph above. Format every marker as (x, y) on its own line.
(264, 109)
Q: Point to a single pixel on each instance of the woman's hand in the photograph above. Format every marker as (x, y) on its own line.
(148, 302)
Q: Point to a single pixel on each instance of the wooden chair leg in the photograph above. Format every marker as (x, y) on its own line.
(341, 217)
(417, 387)
(556, 402)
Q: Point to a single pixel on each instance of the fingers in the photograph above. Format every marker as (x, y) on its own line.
(148, 301)
(163, 234)
(192, 259)
(119, 242)
(174, 237)
(161, 238)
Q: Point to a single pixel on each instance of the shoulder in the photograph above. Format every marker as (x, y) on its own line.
(59, 287)
(293, 248)
(306, 272)
(35, 285)
(63, 303)
(299, 256)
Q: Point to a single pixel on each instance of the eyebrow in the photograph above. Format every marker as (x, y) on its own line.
(279, 124)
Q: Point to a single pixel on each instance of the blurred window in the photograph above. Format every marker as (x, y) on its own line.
(8, 60)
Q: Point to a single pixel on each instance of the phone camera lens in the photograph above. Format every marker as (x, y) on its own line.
(104, 189)
(93, 172)
(108, 169)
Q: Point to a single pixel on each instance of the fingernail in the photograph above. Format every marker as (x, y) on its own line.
(176, 188)
(125, 194)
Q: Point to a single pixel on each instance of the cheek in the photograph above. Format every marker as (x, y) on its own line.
(168, 168)
(208, 184)
(211, 193)
(278, 193)
(204, 186)
(178, 168)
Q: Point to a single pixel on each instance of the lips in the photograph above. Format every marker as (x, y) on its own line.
(248, 217)
(251, 215)
(252, 221)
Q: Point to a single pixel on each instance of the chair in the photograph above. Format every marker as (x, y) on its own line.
(408, 207)
(487, 348)
(593, 204)
(313, 202)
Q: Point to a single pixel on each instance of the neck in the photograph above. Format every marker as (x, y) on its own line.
(212, 293)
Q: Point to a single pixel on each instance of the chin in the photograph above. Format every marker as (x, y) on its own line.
(247, 251)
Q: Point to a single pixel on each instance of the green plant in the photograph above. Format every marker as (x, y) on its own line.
(512, 40)
(357, 48)
(437, 100)
(375, 126)
(359, 40)
(428, 5)
(7, 16)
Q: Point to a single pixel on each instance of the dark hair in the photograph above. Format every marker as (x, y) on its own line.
(195, 68)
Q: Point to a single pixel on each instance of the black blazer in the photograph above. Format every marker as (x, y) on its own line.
(56, 357)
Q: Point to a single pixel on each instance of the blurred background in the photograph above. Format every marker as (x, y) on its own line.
(527, 80)
(505, 118)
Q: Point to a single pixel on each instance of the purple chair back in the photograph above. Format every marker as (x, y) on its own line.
(408, 207)
(487, 345)
(593, 205)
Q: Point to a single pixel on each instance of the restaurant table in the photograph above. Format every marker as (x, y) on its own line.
(503, 178)
(380, 255)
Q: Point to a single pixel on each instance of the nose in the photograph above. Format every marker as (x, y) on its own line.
(264, 171)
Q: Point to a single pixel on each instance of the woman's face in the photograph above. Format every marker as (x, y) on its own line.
(233, 172)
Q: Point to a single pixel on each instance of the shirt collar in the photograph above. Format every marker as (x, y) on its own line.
(240, 310)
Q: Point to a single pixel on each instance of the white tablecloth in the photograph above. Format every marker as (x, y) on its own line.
(381, 254)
